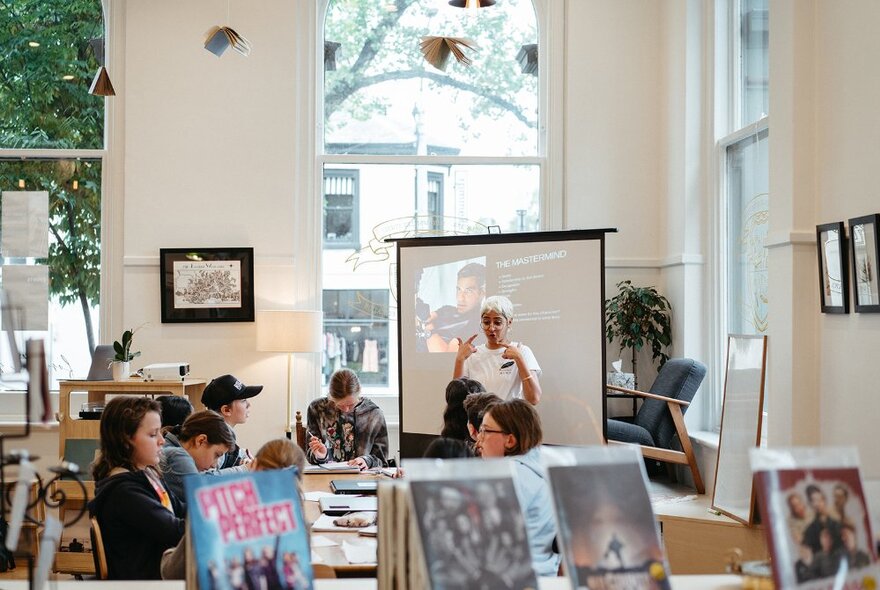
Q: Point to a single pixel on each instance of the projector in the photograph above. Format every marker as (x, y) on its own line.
(166, 371)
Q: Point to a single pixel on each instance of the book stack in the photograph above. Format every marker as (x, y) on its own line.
(813, 506)
(462, 523)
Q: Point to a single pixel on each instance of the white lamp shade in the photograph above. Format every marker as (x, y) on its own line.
(289, 331)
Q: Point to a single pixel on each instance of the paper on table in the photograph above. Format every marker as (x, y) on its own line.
(364, 551)
(322, 541)
(316, 558)
(315, 496)
(25, 224)
(340, 466)
(27, 286)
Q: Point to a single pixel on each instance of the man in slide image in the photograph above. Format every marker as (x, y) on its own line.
(450, 325)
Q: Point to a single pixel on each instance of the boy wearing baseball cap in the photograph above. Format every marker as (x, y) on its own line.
(230, 398)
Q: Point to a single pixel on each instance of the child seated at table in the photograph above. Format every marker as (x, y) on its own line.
(139, 518)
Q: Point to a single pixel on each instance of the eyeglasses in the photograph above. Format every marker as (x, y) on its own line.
(483, 430)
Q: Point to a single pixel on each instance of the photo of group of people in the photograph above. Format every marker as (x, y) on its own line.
(260, 570)
(826, 522)
(448, 300)
(473, 534)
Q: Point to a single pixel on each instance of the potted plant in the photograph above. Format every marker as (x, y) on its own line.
(121, 364)
(638, 317)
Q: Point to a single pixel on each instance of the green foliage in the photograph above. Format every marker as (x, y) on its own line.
(637, 317)
(123, 348)
(38, 109)
(380, 45)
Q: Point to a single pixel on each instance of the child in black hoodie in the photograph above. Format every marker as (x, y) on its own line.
(139, 517)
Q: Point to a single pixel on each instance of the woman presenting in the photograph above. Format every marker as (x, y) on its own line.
(507, 369)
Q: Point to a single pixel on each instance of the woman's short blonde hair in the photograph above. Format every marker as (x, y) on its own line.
(280, 454)
(519, 418)
(499, 304)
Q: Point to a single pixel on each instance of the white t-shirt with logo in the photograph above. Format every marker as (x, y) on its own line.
(487, 367)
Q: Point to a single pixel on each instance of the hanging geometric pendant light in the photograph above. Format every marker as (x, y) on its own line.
(101, 85)
(471, 3)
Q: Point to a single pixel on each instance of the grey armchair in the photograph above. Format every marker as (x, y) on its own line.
(661, 417)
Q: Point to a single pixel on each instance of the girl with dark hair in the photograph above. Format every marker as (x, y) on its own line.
(474, 406)
(194, 446)
(454, 416)
(512, 429)
(448, 448)
(346, 427)
(138, 516)
(175, 409)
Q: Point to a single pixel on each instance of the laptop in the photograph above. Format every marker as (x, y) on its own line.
(100, 368)
(339, 505)
(354, 486)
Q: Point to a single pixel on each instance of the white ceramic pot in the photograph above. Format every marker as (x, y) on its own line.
(121, 371)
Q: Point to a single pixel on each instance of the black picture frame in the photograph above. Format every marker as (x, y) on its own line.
(207, 284)
(833, 282)
(864, 242)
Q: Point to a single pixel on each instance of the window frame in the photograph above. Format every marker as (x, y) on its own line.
(112, 185)
(727, 77)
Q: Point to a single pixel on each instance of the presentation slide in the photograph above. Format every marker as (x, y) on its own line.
(555, 281)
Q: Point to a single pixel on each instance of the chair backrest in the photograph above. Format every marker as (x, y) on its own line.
(678, 379)
(98, 550)
(301, 432)
(322, 570)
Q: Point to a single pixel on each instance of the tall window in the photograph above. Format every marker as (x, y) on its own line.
(743, 207)
(52, 142)
(433, 151)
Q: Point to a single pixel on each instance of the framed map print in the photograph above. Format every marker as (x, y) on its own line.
(207, 284)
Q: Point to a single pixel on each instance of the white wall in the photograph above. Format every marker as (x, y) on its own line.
(209, 151)
(847, 92)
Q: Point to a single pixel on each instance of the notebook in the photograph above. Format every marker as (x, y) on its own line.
(339, 505)
(353, 486)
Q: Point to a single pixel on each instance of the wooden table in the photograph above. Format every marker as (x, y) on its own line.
(71, 426)
(698, 541)
(723, 582)
(334, 556)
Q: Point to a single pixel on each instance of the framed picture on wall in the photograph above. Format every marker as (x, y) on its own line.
(833, 283)
(207, 284)
(865, 251)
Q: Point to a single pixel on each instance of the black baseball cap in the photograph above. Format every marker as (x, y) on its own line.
(226, 389)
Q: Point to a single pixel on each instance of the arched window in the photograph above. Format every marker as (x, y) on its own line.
(409, 149)
(52, 143)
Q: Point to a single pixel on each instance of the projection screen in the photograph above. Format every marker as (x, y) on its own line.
(556, 281)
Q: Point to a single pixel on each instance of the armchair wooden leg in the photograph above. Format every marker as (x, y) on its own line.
(685, 440)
